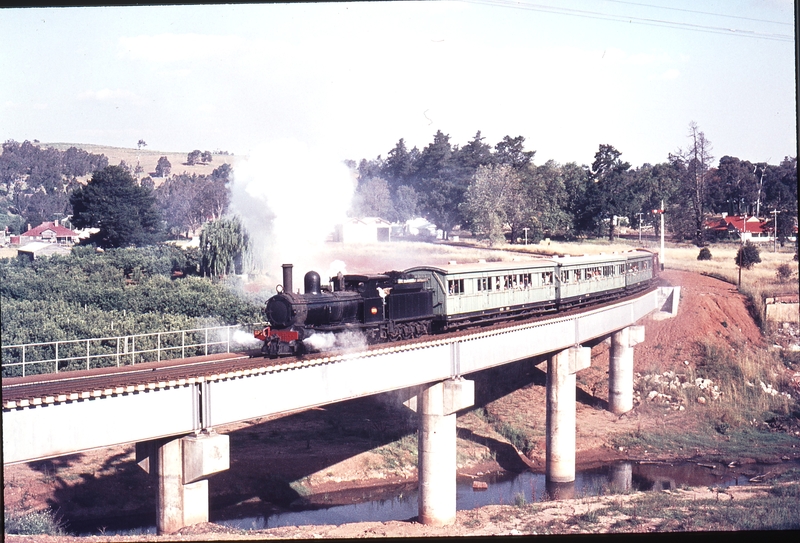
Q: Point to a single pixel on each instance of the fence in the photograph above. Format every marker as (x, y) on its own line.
(78, 354)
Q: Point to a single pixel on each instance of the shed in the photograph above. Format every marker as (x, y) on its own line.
(38, 249)
(364, 230)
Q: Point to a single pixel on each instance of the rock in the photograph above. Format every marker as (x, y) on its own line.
(652, 395)
(701, 400)
(479, 485)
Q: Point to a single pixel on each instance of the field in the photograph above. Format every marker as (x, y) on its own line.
(148, 158)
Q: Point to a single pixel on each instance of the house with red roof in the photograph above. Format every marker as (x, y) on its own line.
(745, 228)
(51, 232)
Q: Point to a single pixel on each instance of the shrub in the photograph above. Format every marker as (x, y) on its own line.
(784, 272)
(705, 254)
(32, 522)
(747, 256)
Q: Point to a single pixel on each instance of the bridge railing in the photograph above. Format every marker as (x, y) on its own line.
(82, 354)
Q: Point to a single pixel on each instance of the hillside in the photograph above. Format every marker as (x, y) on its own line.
(148, 158)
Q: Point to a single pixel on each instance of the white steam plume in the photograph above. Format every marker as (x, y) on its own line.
(290, 198)
(245, 339)
(350, 340)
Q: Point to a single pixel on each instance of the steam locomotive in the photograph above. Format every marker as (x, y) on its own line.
(424, 300)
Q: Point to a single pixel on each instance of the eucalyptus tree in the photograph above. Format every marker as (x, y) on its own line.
(696, 162)
(492, 193)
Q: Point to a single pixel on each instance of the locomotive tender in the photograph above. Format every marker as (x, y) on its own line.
(432, 299)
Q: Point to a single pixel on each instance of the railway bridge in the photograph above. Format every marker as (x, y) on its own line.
(172, 416)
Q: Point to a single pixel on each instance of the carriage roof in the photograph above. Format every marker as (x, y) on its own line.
(484, 267)
(563, 260)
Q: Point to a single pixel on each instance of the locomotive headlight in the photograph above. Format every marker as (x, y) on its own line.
(374, 310)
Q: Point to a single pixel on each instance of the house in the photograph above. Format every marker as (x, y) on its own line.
(744, 228)
(50, 232)
(365, 230)
(37, 249)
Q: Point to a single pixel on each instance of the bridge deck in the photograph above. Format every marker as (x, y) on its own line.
(140, 407)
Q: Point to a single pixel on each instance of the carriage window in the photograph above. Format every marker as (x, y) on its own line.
(526, 280)
(482, 283)
(547, 278)
(455, 286)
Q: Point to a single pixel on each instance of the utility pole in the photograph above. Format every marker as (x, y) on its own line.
(775, 230)
(662, 256)
(526, 235)
(760, 185)
(661, 212)
(640, 226)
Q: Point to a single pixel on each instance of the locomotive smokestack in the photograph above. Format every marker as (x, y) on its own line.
(287, 277)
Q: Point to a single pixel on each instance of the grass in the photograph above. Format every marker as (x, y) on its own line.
(773, 512)
(27, 522)
(148, 158)
(519, 433)
(400, 453)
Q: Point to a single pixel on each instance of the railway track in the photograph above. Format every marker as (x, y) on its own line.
(19, 392)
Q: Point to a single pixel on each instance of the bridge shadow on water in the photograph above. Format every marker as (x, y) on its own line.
(269, 459)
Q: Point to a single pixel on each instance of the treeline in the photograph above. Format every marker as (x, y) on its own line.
(113, 293)
(35, 183)
(488, 189)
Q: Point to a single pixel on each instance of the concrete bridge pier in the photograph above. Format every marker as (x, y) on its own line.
(436, 405)
(181, 466)
(620, 368)
(621, 476)
(560, 418)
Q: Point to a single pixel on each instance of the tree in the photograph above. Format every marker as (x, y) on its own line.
(398, 167)
(223, 244)
(163, 168)
(733, 187)
(510, 151)
(696, 163)
(206, 157)
(612, 188)
(486, 204)
(547, 199)
(194, 157)
(780, 190)
(405, 203)
(124, 212)
(372, 199)
(747, 256)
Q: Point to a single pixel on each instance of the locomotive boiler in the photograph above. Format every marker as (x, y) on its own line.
(382, 307)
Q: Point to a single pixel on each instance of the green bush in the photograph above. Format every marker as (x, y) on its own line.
(705, 254)
(785, 272)
(747, 256)
(43, 522)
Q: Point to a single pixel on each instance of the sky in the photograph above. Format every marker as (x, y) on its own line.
(354, 78)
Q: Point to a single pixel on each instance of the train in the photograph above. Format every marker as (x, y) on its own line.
(425, 300)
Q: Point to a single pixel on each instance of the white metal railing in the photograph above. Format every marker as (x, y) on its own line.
(78, 354)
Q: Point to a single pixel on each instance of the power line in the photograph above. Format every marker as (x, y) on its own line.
(701, 12)
(636, 20)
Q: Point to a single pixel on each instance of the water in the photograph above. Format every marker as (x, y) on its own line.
(503, 489)
(510, 489)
